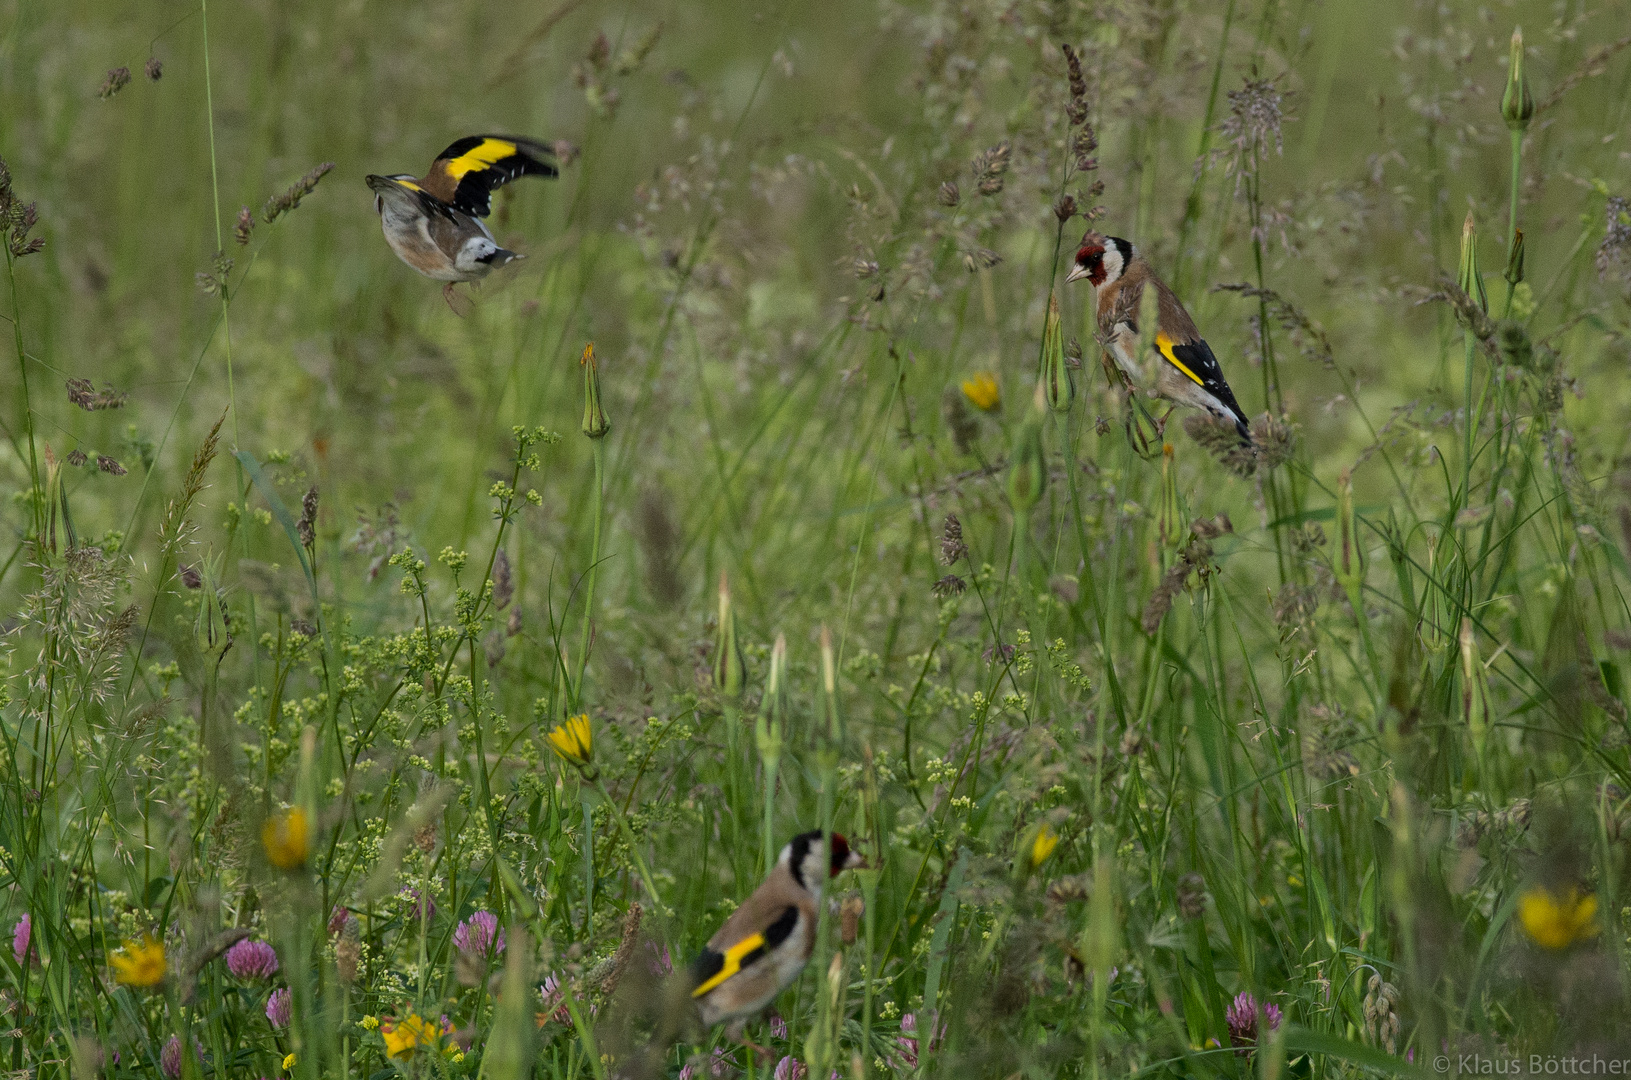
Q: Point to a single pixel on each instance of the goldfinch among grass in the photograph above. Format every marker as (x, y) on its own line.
(433, 222)
(767, 941)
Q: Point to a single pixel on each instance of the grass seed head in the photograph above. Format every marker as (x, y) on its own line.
(118, 78)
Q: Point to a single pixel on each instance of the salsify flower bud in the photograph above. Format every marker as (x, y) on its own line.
(1058, 387)
(595, 424)
(1514, 259)
(1517, 103)
(1468, 279)
(1350, 573)
(730, 670)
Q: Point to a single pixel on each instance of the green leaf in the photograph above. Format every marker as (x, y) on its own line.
(275, 501)
(1301, 1040)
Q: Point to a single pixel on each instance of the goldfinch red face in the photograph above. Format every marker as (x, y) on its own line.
(803, 855)
(1100, 260)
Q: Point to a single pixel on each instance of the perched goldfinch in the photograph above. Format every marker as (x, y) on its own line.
(767, 941)
(1188, 373)
(433, 222)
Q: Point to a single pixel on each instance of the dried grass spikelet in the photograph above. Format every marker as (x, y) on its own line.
(1273, 441)
(952, 548)
(172, 529)
(81, 392)
(290, 197)
(990, 167)
(118, 78)
(1381, 1015)
(1195, 556)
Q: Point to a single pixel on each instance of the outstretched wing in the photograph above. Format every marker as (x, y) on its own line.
(1194, 358)
(713, 968)
(466, 173)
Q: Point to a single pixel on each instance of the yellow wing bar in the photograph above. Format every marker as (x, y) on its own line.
(1163, 345)
(483, 155)
(733, 962)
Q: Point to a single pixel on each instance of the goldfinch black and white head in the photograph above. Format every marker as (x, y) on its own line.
(1187, 372)
(434, 223)
(767, 941)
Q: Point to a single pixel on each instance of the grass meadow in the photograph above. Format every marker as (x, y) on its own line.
(1168, 757)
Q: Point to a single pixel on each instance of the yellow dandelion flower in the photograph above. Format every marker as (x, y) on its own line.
(403, 1037)
(1043, 844)
(1556, 920)
(286, 837)
(574, 740)
(982, 391)
(139, 963)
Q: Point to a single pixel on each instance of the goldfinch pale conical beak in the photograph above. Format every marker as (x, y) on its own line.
(1076, 274)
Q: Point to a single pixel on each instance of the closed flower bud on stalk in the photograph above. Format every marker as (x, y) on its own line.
(1349, 573)
(595, 424)
(730, 670)
(1467, 278)
(1517, 104)
(1514, 259)
(1028, 470)
(1057, 385)
(211, 630)
(768, 727)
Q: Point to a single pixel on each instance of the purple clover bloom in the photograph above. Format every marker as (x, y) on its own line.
(791, 1068)
(22, 938)
(280, 1007)
(778, 1026)
(252, 960)
(170, 1058)
(479, 935)
(1247, 1020)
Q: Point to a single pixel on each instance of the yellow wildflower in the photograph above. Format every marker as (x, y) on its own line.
(1556, 920)
(369, 1023)
(139, 963)
(403, 1037)
(982, 391)
(287, 839)
(288, 1063)
(574, 740)
(1043, 844)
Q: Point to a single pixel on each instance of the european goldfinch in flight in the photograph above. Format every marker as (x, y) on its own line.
(433, 222)
(1187, 372)
(767, 941)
